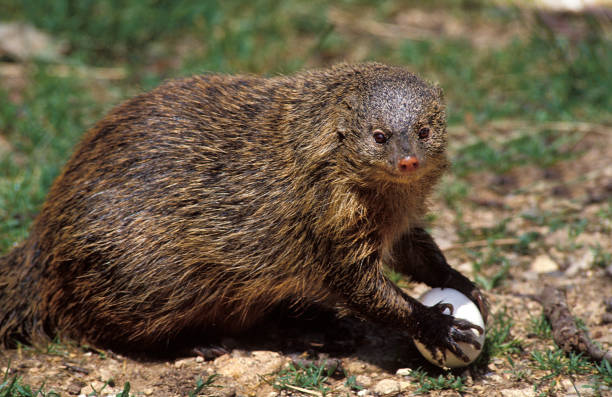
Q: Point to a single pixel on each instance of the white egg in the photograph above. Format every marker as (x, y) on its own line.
(465, 309)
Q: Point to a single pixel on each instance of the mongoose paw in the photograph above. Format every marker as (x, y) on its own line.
(209, 352)
(441, 332)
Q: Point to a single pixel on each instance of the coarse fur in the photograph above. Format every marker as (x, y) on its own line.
(199, 205)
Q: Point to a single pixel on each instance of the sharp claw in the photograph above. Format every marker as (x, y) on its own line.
(441, 354)
(482, 304)
(461, 335)
(442, 306)
(469, 341)
(209, 353)
(458, 352)
(466, 325)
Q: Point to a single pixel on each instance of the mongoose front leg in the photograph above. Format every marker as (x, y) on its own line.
(366, 290)
(417, 255)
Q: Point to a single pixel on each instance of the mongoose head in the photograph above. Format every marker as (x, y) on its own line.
(400, 128)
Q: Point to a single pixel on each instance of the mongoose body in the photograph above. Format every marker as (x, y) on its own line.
(201, 204)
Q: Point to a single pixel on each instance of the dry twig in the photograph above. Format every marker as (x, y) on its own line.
(565, 332)
(483, 243)
(306, 391)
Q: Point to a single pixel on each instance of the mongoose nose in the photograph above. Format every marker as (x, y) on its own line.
(408, 164)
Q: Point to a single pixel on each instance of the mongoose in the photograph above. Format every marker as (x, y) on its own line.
(201, 204)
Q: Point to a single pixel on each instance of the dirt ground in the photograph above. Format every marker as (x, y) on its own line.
(579, 188)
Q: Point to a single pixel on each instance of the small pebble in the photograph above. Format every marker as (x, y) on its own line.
(404, 385)
(544, 264)
(363, 380)
(387, 387)
(403, 372)
(74, 389)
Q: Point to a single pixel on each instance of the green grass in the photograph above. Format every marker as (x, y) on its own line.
(529, 79)
(603, 376)
(557, 364)
(13, 386)
(201, 384)
(540, 327)
(41, 131)
(351, 383)
(494, 259)
(126, 390)
(429, 383)
(499, 340)
(601, 258)
(225, 35)
(539, 148)
(518, 371)
(311, 377)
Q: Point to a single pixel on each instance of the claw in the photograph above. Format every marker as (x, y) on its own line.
(465, 325)
(482, 304)
(456, 350)
(210, 352)
(442, 306)
(462, 333)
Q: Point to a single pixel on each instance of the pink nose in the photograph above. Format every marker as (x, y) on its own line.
(408, 164)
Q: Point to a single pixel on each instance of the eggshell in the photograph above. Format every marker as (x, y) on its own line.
(465, 309)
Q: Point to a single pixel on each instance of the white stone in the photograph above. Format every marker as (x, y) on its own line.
(544, 264)
(248, 370)
(363, 380)
(355, 367)
(404, 385)
(526, 392)
(181, 363)
(580, 265)
(387, 387)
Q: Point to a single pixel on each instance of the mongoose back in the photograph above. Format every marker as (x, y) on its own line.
(201, 204)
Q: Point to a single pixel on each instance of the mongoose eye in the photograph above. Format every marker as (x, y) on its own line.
(424, 133)
(379, 136)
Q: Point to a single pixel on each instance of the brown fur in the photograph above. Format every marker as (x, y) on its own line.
(199, 205)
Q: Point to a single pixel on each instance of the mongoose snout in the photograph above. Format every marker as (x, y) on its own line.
(408, 164)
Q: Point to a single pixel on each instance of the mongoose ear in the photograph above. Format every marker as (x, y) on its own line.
(351, 101)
